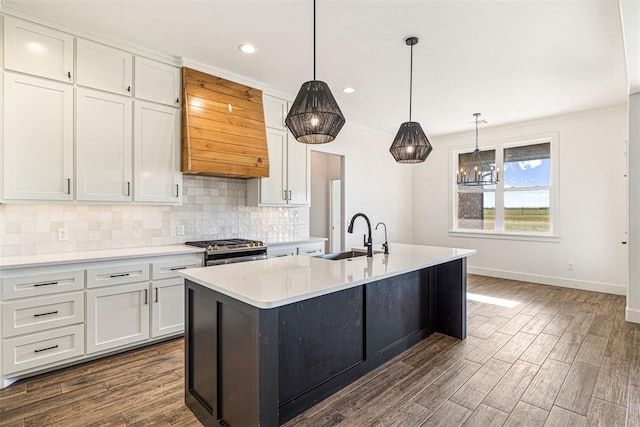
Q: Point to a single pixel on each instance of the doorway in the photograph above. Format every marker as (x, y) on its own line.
(327, 199)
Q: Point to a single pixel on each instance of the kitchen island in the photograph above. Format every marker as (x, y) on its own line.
(268, 339)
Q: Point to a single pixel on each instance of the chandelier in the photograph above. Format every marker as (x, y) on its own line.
(476, 170)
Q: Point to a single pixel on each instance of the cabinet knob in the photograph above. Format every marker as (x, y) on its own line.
(69, 74)
(128, 88)
(177, 100)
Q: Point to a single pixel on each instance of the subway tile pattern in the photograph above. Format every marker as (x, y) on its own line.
(213, 208)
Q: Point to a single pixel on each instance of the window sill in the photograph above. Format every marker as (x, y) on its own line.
(550, 238)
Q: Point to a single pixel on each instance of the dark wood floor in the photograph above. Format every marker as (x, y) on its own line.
(560, 357)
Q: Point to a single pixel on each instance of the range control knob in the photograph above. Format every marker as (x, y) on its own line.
(215, 247)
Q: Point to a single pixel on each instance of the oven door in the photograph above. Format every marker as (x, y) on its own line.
(237, 257)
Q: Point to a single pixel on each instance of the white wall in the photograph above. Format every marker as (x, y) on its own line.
(592, 211)
(324, 167)
(633, 293)
(318, 213)
(374, 184)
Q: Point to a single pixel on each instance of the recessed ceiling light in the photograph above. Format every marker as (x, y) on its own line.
(348, 89)
(247, 48)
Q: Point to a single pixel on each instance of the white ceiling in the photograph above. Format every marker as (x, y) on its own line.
(511, 60)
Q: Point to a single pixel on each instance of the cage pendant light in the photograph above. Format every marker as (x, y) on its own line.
(477, 172)
(410, 144)
(314, 117)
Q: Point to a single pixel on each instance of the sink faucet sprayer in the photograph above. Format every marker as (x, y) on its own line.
(367, 242)
(385, 245)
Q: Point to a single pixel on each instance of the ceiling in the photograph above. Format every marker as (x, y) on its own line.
(511, 60)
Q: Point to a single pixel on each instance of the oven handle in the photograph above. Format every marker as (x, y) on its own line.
(235, 260)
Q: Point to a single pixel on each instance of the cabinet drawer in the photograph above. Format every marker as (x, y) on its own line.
(43, 348)
(311, 249)
(117, 275)
(280, 251)
(33, 285)
(38, 314)
(169, 268)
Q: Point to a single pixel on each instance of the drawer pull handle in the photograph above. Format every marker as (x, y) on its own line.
(45, 349)
(45, 284)
(178, 268)
(45, 314)
(119, 275)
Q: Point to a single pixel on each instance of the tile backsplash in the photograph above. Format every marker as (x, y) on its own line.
(213, 208)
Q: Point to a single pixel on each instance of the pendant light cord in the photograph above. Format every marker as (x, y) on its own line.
(314, 39)
(410, 82)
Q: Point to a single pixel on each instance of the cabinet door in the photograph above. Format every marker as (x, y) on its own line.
(272, 189)
(275, 111)
(167, 310)
(103, 157)
(157, 176)
(105, 68)
(298, 182)
(38, 138)
(157, 82)
(37, 50)
(117, 316)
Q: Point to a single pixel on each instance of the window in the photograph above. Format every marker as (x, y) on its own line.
(523, 200)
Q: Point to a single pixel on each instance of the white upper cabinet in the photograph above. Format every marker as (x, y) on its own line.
(275, 111)
(38, 50)
(157, 82)
(156, 154)
(289, 182)
(38, 139)
(298, 178)
(273, 190)
(103, 146)
(105, 68)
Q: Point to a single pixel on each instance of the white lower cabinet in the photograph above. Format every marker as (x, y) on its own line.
(66, 313)
(30, 315)
(41, 349)
(167, 309)
(311, 248)
(117, 316)
(42, 317)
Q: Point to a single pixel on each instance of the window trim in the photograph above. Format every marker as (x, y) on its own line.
(499, 145)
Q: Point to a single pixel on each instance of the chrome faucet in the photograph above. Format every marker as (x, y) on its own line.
(367, 242)
(385, 245)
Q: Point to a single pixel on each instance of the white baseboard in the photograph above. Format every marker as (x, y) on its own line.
(554, 281)
(632, 315)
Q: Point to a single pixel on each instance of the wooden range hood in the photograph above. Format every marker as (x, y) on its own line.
(223, 130)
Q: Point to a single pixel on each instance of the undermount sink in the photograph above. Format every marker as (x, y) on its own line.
(345, 255)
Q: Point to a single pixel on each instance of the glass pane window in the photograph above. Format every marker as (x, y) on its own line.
(527, 166)
(477, 210)
(527, 211)
(522, 200)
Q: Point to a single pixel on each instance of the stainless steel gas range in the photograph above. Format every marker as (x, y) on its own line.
(229, 251)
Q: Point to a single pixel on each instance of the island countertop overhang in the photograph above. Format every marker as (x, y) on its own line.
(276, 282)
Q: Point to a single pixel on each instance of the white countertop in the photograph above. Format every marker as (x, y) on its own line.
(99, 255)
(289, 241)
(279, 281)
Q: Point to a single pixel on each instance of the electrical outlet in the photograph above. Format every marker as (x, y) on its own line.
(63, 234)
(180, 230)
(570, 266)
